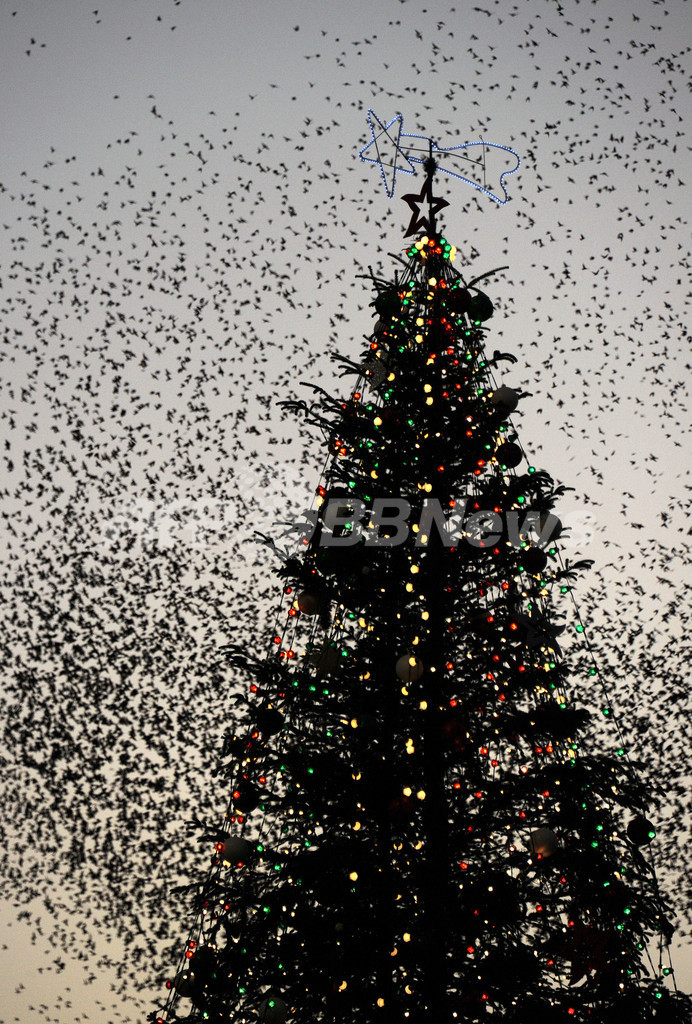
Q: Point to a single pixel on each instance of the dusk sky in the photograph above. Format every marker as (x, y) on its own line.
(184, 221)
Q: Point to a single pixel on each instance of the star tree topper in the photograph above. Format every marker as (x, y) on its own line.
(419, 221)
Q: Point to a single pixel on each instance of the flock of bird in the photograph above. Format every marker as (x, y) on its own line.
(159, 300)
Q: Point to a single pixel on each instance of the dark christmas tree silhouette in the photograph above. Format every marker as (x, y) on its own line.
(415, 832)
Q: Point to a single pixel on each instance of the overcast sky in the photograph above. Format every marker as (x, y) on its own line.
(183, 209)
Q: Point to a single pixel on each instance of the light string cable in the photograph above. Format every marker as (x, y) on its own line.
(562, 746)
(623, 749)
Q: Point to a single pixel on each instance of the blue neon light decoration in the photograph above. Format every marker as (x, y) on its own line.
(388, 146)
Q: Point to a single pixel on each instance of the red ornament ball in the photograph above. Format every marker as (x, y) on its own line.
(458, 300)
(509, 454)
(308, 603)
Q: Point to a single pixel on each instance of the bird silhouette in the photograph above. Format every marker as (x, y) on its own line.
(174, 267)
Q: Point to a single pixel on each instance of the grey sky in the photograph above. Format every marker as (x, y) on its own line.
(143, 136)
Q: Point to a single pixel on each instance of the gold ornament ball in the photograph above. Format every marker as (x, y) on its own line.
(409, 668)
(544, 842)
(182, 983)
(325, 660)
(236, 850)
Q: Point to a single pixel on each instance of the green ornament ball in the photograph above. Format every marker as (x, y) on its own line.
(480, 307)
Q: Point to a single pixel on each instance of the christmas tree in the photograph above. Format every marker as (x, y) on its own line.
(415, 832)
